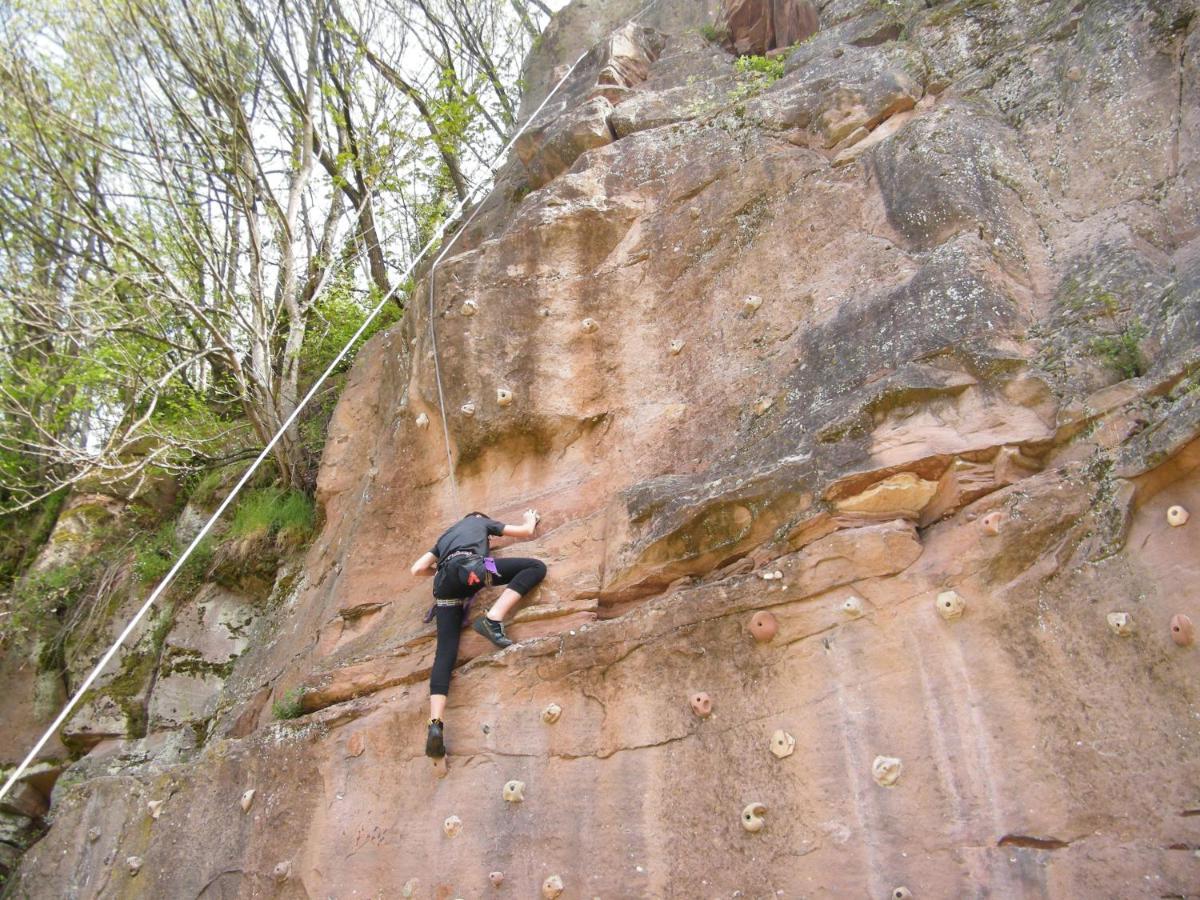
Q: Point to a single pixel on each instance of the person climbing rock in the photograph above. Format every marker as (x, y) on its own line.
(460, 566)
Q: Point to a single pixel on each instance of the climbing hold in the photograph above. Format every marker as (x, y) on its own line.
(283, 870)
(357, 744)
(552, 887)
(469, 308)
(468, 409)
(752, 817)
(885, 770)
(1177, 516)
(676, 347)
(1074, 73)
(1181, 630)
(762, 404)
(901, 893)
(134, 863)
(93, 835)
(764, 626)
(1120, 623)
(544, 312)
(589, 325)
(752, 303)
(452, 826)
(422, 421)
(551, 713)
(694, 212)
(514, 791)
(950, 605)
(247, 800)
(503, 397)
(155, 808)
(496, 878)
(410, 888)
(767, 576)
(702, 705)
(782, 744)
(853, 607)
(992, 522)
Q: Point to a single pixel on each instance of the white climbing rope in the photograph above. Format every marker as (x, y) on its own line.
(169, 577)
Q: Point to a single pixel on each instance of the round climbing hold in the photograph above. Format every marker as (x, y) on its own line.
(503, 396)
(853, 607)
(1074, 73)
(992, 522)
(552, 887)
(752, 817)
(1181, 630)
(676, 347)
(469, 308)
(422, 421)
(701, 704)
(551, 713)
(886, 770)
(782, 744)
(514, 791)
(468, 409)
(950, 605)
(901, 893)
(283, 870)
(764, 626)
(1120, 623)
(1177, 516)
(452, 826)
(752, 303)
(247, 800)
(154, 807)
(134, 863)
(589, 325)
(496, 878)
(762, 404)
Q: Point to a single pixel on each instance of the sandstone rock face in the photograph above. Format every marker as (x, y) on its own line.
(989, 313)
(758, 26)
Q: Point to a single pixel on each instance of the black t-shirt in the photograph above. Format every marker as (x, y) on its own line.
(470, 534)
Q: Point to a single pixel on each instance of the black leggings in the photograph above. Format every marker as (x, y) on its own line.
(520, 574)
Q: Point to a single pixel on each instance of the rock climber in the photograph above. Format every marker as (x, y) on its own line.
(461, 566)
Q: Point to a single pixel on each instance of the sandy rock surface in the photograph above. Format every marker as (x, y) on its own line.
(970, 365)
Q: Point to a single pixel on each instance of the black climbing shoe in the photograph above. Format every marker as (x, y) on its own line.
(493, 631)
(434, 745)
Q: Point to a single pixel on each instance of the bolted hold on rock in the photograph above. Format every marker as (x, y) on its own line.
(247, 800)
(676, 347)
(467, 409)
(853, 607)
(452, 826)
(589, 325)
(552, 887)
(134, 863)
(154, 807)
(764, 626)
(950, 605)
(551, 713)
(496, 878)
(514, 791)
(1120, 623)
(992, 523)
(504, 396)
(886, 770)
(782, 744)
(422, 421)
(469, 308)
(752, 817)
(701, 705)
(283, 870)
(751, 304)
(901, 893)
(1177, 516)
(1181, 630)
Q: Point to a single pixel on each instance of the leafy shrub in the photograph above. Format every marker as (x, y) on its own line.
(155, 553)
(289, 706)
(1122, 351)
(716, 34)
(770, 70)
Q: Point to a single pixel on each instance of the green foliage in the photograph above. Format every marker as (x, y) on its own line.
(290, 705)
(22, 535)
(45, 597)
(273, 511)
(334, 318)
(1122, 352)
(760, 66)
(716, 34)
(156, 552)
